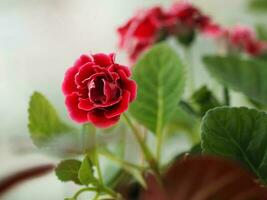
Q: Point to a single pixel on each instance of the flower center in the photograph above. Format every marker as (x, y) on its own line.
(96, 91)
(101, 91)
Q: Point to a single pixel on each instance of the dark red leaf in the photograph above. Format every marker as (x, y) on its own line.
(205, 178)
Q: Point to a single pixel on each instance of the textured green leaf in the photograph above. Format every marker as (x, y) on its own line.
(239, 134)
(242, 74)
(160, 78)
(44, 122)
(68, 170)
(86, 172)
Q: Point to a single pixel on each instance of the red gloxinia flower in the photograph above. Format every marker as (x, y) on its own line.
(244, 38)
(186, 16)
(98, 90)
(141, 31)
(213, 30)
(185, 20)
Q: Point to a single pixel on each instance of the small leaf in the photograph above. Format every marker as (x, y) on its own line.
(86, 172)
(239, 134)
(246, 75)
(68, 170)
(44, 122)
(204, 178)
(205, 100)
(160, 77)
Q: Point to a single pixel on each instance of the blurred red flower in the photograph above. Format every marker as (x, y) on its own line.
(155, 24)
(245, 39)
(141, 31)
(188, 16)
(98, 90)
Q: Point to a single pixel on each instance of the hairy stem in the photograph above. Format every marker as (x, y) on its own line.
(147, 153)
(190, 66)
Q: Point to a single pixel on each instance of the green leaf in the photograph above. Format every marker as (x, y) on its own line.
(68, 170)
(258, 5)
(86, 172)
(182, 120)
(246, 75)
(239, 134)
(44, 122)
(204, 100)
(261, 32)
(160, 77)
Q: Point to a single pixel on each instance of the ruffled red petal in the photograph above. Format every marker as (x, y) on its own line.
(117, 68)
(75, 113)
(83, 60)
(129, 85)
(103, 60)
(111, 91)
(119, 108)
(98, 118)
(84, 74)
(86, 104)
(69, 86)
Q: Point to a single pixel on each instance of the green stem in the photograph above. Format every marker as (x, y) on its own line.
(226, 96)
(109, 191)
(160, 141)
(147, 153)
(88, 189)
(94, 155)
(191, 73)
(121, 162)
(96, 159)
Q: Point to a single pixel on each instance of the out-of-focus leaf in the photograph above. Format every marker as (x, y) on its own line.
(160, 77)
(204, 178)
(44, 122)
(70, 145)
(205, 100)
(241, 74)
(261, 32)
(68, 170)
(239, 134)
(181, 120)
(258, 5)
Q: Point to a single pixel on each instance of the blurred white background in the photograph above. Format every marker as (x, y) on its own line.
(40, 39)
